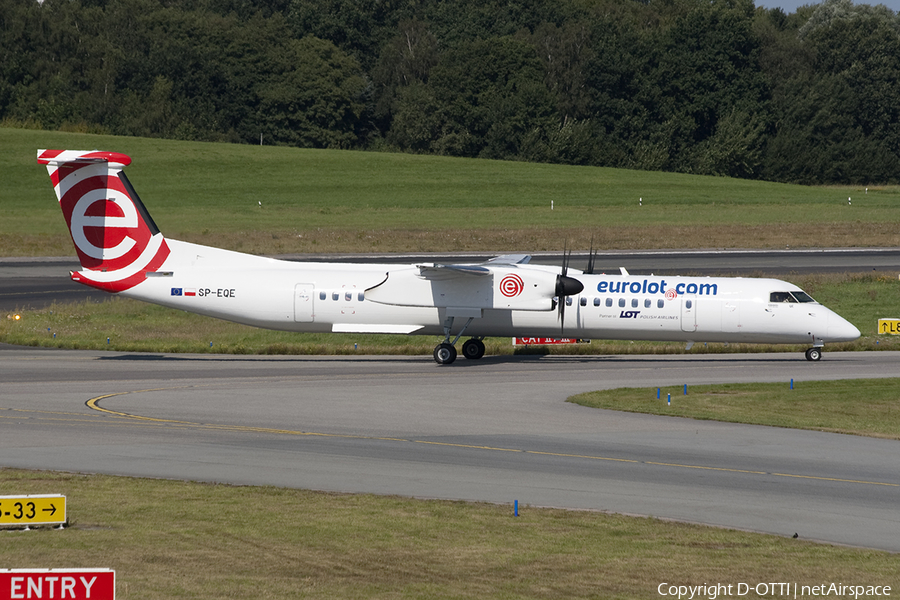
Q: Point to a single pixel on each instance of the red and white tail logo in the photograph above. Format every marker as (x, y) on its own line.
(116, 239)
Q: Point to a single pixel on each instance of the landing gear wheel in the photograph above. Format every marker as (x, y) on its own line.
(814, 354)
(444, 354)
(473, 349)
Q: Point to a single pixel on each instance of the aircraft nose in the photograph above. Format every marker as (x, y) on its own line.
(841, 330)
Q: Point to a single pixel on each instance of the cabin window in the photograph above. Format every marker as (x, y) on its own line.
(361, 296)
(647, 303)
(348, 296)
(634, 303)
(335, 296)
(621, 302)
(660, 303)
(568, 300)
(322, 295)
(688, 303)
(583, 302)
(609, 302)
(596, 301)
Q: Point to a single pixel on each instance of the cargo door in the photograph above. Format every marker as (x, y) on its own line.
(304, 298)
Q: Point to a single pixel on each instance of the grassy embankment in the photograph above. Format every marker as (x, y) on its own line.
(336, 201)
(185, 540)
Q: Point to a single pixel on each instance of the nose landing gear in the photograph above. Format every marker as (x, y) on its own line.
(814, 354)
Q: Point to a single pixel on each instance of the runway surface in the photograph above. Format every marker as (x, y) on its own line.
(494, 430)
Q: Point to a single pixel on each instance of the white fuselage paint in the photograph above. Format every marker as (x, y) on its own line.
(331, 297)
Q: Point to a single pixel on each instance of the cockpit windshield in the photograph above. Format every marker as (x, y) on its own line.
(795, 296)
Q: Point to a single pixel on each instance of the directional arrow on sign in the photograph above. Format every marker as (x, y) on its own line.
(32, 509)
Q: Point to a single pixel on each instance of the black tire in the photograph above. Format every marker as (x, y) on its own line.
(473, 349)
(444, 354)
(814, 354)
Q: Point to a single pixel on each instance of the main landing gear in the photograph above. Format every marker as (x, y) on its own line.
(445, 352)
(814, 353)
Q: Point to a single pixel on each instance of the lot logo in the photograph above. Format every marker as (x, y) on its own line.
(629, 314)
(511, 285)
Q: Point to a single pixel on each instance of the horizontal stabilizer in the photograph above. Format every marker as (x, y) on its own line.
(62, 157)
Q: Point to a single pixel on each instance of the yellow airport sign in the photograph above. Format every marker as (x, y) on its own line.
(891, 326)
(44, 509)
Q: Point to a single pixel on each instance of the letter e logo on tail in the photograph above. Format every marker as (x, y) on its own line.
(116, 240)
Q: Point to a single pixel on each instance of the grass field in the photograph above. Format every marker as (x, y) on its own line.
(857, 407)
(339, 201)
(169, 539)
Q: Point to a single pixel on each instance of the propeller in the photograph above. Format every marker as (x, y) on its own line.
(592, 256)
(565, 286)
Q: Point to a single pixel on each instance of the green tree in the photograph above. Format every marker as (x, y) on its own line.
(314, 97)
(406, 60)
(491, 95)
(705, 67)
(838, 120)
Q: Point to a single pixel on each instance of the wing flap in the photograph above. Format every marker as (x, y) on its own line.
(374, 328)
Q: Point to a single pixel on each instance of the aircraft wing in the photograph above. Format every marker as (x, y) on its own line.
(445, 272)
(438, 271)
(511, 259)
(505, 283)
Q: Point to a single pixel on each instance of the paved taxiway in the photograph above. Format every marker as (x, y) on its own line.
(495, 430)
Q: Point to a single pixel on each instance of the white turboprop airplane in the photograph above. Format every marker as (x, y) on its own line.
(122, 251)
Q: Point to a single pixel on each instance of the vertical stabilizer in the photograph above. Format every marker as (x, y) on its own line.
(116, 239)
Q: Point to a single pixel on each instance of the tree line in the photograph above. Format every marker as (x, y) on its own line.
(716, 87)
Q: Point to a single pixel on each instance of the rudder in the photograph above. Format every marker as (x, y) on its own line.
(115, 238)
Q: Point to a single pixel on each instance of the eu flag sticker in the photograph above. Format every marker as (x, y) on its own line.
(176, 291)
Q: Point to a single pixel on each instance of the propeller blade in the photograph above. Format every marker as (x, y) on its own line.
(562, 316)
(565, 286)
(561, 299)
(591, 255)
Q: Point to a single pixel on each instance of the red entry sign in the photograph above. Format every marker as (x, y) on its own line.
(57, 584)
